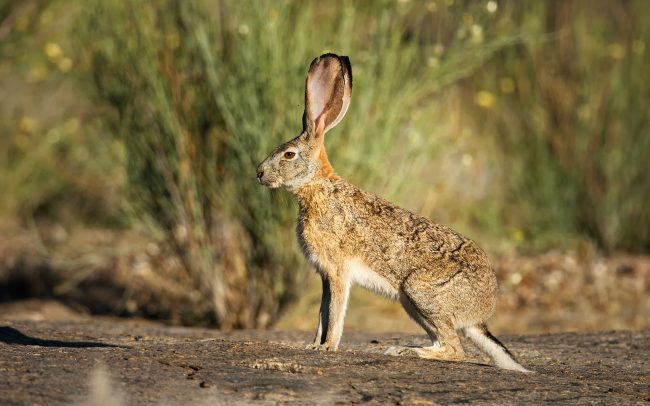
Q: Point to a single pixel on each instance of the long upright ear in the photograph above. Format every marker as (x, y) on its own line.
(327, 93)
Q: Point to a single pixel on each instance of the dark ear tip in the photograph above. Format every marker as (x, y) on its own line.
(343, 59)
(347, 66)
(329, 55)
(314, 62)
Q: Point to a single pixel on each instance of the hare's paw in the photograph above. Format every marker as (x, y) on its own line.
(321, 347)
(409, 350)
(435, 351)
(441, 353)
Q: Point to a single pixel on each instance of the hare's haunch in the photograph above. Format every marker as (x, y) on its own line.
(443, 280)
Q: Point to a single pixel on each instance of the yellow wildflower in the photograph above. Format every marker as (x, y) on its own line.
(65, 64)
(53, 51)
(484, 99)
(616, 51)
(27, 125)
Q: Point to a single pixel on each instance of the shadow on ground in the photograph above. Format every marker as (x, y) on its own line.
(9, 335)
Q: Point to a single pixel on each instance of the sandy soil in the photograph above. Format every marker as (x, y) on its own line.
(111, 362)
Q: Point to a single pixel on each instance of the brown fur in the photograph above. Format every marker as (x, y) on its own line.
(326, 170)
(443, 279)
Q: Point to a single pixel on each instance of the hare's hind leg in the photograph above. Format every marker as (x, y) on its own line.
(428, 303)
(445, 343)
(417, 317)
(448, 345)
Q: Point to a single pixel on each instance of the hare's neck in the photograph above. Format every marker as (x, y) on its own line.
(314, 194)
(326, 171)
(320, 186)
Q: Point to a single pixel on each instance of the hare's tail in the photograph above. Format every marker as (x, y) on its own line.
(488, 343)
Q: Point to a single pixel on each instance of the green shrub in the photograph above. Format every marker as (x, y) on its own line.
(573, 121)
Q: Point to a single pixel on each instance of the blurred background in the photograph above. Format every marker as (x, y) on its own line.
(130, 132)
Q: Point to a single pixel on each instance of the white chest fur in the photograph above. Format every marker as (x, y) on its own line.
(363, 276)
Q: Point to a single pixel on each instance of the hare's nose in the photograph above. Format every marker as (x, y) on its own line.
(259, 175)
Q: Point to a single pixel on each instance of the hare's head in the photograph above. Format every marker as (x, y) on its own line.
(327, 97)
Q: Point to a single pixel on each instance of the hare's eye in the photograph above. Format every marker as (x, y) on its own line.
(289, 154)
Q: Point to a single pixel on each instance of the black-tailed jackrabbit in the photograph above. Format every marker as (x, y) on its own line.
(443, 280)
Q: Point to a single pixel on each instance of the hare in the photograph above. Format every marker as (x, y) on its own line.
(443, 280)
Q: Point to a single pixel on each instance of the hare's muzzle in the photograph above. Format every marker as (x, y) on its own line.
(261, 170)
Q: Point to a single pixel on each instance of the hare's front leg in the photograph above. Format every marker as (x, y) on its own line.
(332, 312)
(322, 314)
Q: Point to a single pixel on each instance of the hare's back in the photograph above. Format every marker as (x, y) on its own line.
(396, 235)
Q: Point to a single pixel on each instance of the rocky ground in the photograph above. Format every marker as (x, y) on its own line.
(110, 362)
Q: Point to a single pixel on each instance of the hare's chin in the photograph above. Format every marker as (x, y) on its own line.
(271, 184)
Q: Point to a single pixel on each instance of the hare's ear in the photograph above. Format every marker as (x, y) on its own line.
(327, 93)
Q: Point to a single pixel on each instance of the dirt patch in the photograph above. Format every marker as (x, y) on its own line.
(110, 362)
